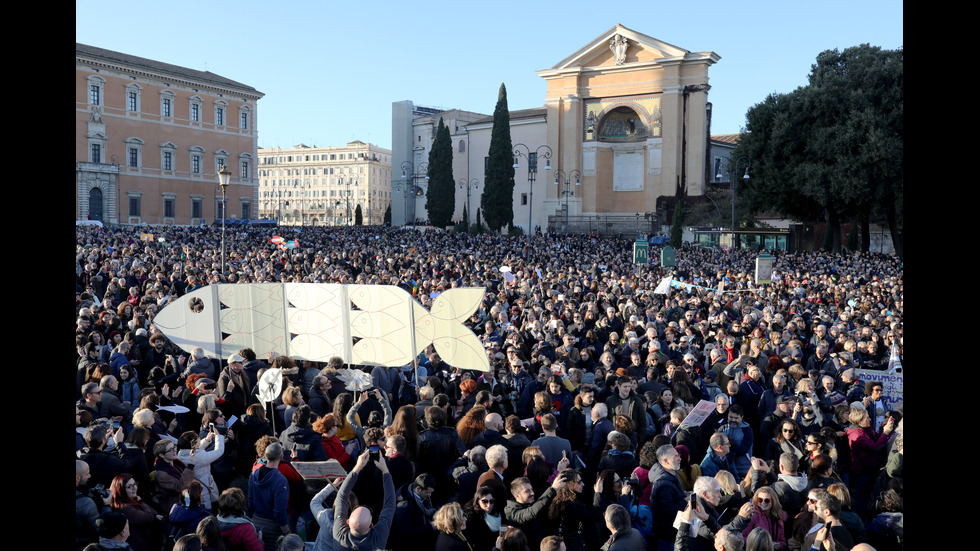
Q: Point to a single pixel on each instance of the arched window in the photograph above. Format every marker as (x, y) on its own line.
(622, 124)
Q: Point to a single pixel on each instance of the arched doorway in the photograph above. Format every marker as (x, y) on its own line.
(95, 204)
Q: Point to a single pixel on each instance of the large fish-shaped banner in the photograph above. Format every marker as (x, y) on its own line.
(363, 324)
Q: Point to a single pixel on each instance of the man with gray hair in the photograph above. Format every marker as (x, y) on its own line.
(111, 403)
(467, 470)
(601, 427)
(624, 536)
(667, 496)
(198, 362)
(494, 477)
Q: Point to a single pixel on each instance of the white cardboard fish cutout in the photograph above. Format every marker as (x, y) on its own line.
(314, 321)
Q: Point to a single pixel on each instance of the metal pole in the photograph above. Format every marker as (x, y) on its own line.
(224, 214)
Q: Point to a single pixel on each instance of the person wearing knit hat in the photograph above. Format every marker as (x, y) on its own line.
(113, 530)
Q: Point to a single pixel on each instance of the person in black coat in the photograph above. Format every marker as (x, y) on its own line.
(619, 458)
(412, 526)
(439, 447)
(402, 468)
(320, 401)
(667, 496)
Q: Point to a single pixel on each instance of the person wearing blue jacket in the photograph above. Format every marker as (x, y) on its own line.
(741, 437)
(719, 458)
(268, 497)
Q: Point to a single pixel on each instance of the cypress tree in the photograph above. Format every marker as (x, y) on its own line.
(677, 227)
(497, 200)
(440, 197)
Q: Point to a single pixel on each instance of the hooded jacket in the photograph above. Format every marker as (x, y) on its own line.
(268, 495)
(790, 489)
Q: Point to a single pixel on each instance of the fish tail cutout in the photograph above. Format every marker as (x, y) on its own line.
(457, 304)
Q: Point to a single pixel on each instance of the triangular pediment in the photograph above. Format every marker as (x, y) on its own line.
(639, 48)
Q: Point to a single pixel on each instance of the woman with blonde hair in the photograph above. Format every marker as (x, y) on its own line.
(732, 495)
(850, 519)
(450, 521)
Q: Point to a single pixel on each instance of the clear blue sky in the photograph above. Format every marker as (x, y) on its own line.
(330, 70)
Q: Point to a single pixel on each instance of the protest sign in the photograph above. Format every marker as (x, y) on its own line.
(893, 384)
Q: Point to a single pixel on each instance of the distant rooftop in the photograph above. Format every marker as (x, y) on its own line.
(109, 56)
(726, 138)
(519, 114)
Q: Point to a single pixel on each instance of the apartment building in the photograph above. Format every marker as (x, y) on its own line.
(324, 186)
(151, 137)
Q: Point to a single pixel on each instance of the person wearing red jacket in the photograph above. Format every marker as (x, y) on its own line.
(237, 530)
(326, 427)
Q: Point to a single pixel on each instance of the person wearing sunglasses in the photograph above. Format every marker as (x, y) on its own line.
(768, 514)
(484, 515)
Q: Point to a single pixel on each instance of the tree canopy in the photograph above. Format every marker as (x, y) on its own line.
(832, 149)
(440, 198)
(497, 199)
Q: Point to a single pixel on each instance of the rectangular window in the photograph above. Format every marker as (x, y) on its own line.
(94, 94)
(195, 112)
(196, 164)
(196, 208)
(219, 117)
(523, 199)
(131, 101)
(245, 170)
(244, 121)
(96, 153)
(168, 160)
(246, 211)
(134, 206)
(165, 107)
(168, 207)
(134, 157)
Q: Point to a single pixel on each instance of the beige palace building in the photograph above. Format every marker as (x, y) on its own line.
(323, 186)
(150, 138)
(624, 123)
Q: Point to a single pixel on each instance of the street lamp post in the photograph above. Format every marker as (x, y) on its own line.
(421, 171)
(472, 184)
(559, 176)
(347, 196)
(532, 170)
(224, 177)
(733, 170)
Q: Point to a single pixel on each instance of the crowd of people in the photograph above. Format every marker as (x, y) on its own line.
(577, 438)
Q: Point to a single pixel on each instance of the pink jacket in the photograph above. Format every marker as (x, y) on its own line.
(242, 537)
(775, 529)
